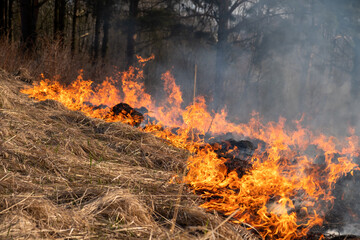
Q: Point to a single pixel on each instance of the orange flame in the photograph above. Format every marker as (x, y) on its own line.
(283, 195)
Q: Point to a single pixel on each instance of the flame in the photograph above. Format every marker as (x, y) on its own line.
(170, 113)
(284, 194)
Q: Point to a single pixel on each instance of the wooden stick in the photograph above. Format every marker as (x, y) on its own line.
(208, 235)
(12, 206)
(212, 119)
(194, 100)
(178, 201)
(195, 79)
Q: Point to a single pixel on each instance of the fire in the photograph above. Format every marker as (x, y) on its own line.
(287, 189)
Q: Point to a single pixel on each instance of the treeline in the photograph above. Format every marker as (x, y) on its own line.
(279, 57)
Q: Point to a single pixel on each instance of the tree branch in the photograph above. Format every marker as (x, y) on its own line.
(41, 3)
(236, 5)
(240, 23)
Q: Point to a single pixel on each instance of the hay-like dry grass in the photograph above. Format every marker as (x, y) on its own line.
(66, 176)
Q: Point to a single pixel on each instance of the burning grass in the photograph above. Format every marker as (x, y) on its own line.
(65, 175)
(284, 186)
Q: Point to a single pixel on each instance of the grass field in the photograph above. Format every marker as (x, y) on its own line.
(66, 176)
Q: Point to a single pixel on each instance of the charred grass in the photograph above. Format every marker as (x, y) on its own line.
(66, 176)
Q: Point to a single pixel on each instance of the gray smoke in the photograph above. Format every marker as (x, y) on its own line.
(303, 63)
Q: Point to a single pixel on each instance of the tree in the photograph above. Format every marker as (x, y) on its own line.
(29, 10)
(353, 24)
(59, 19)
(108, 4)
(131, 31)
(223, 17)
(6, 17)
(73, 26)
(9, 19)
(102, 12)
(229, 17)
(3, 12)
(98, 17)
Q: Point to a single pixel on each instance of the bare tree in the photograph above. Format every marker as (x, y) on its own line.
(73, 26)
(29, 10)
(6, 17)
(223, 13)
(131, 31)
(59, 19)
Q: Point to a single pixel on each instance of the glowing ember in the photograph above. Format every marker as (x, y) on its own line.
(285, 193)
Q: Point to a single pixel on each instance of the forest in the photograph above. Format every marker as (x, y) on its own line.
(275, 57)
(179, 119)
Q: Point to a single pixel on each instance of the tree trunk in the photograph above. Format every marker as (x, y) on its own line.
(9, 21)
(29, 15)
(73, 30)
(62, 11)
(105, 41)
(97, 30)
(355, 73)
(131, 32)
(170, 5)
(106, 27)
(309, 90)
(59, 19)
(221, 48)
(56, 18)
(2, 17)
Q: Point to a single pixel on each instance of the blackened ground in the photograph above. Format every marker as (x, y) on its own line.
(313, 236)
(237, 153)
(126, 111)
(344, 217)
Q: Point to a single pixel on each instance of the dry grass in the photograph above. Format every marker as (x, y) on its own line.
(51, 58)
(66, 176)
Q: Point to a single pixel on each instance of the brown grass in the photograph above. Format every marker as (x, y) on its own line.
(51, 58)
(66, 176)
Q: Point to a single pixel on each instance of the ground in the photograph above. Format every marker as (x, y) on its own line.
(66, 176)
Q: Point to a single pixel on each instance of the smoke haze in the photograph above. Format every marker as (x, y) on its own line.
(299, 65)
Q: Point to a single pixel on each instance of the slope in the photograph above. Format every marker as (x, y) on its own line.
(67, 176)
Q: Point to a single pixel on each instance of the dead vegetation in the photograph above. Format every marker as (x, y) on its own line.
(66, 176)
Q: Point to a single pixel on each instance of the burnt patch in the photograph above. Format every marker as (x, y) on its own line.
(125, 111)
(237, 153)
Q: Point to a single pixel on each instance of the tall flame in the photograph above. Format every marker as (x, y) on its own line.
(283, 195)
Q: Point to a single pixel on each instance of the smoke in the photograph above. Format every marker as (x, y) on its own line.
(344, 217)
(297, 65)
(350, 229)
